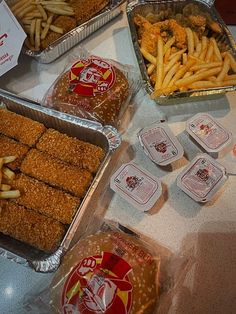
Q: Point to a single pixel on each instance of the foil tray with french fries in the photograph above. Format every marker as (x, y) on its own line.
(183, 49)
(55, 26)
(34, 210)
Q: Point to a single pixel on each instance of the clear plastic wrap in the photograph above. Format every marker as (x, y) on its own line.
(93, 88)
(112, 271)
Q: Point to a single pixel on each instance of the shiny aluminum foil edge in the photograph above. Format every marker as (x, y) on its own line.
(75, 36)
(52, 262)
(170, 99)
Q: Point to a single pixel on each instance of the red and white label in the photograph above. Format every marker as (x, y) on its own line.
(12, 37)
(97, 285)
(208, 132)
(92, 76)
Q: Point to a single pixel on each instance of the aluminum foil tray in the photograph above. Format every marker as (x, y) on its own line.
(143, 7)
(106, 137)
(73, 37)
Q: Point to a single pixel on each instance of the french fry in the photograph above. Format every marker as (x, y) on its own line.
(232, 61)
(25, 11)
(167, 55)
(9, 194)
(150, 69)
(190, 40)
(5, 187)
(159, 63)
(8, 159)
(197, 77)
(163, 91)
(171, 63)
(21, 7)
(209, 53)
(7, 173)
(195, 39)
(168, 44)
(46, 27)
(230, 77)
(197, 52)
(180, 73)
(32, 32)
(54, 28)
(225, 69)
(170, 74)
(37, 33)
(59, 11)
(204, 48)
(211, 84)
(42, 12)
(180, 52)
(17, 5)
(1, 165)
(185, 58)
(205, 66)
(148, 56)
(216, 49)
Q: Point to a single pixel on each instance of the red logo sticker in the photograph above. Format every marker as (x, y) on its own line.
(98, 284)
(92, 76)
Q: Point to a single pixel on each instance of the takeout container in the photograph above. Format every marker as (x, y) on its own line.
(106, 137)
(136, 185)
(202, 178)
(209, 133)
(160, 144)
(76, 35)
(143, 7)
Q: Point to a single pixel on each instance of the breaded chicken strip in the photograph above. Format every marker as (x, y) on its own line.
(20, 128)
(85, 10)
(30, 227)
(56, 172)
(81, 154)
(44, 199)
(9, 147)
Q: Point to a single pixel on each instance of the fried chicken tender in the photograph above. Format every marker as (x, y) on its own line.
(20, 128)
(79, 153)
(30, 227)
(9, 147)
(44, 199)
(150, 32)
(85, 10)
(67, 23)
(57, 173)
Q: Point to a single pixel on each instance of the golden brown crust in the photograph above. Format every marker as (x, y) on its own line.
(144, 274)
(20, 128)
(25, 225)
(56, 172)
(44, 199)
(105, 107)
(9, 147)
(85, 10)
(71, 150)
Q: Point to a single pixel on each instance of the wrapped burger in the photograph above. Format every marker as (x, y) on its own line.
(93, 88)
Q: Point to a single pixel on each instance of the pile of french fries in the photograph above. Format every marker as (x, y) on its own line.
(6, 178)
(200, 65)
(36, 17)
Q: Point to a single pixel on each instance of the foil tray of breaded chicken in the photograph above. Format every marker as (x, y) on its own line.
(183, 49)
(54, 27)
(59, 160)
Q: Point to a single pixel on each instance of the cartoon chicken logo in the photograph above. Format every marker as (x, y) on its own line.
(98, 285)
(91, 76)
